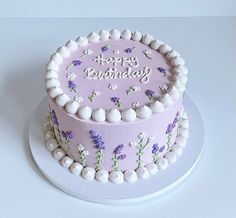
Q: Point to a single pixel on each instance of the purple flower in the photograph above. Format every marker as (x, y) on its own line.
(162, 70)
(149, 93)
(122, 156)
(128, 50)
(76, 62)
(118, 149)
(67, 134)
(115, 99)
(172, 125)
(162, 148)
(92, 132)
(54, 117)
(155, 148)
(121, 146)
(175, 120)
(104, 48)
(169, 128)
(72, 85)
(97, 140)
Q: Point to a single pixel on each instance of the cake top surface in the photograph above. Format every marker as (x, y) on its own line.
(114, 73)
(112, 76)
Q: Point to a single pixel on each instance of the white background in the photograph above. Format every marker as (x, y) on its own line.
(208, 46)
(119, 8)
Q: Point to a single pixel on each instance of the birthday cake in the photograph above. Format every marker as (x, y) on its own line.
(115, 106)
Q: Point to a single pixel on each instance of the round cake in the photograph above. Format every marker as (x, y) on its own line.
(115, 103)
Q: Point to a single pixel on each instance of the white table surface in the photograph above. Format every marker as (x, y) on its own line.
(208, 46)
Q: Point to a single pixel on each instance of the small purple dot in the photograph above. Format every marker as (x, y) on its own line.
(128, 50)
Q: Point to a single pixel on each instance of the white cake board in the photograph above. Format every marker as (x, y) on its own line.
(108, 192)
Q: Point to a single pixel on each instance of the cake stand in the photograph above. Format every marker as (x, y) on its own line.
(108, 192)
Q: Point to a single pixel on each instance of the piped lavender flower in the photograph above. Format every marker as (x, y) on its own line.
(68, 135)
(55, 124)
(106, 47)
(100, 146)
(117, 101)
(72, 85)
(129, 50)
(162, 70)
(156, 150)
(54, 117)
(150, 94)
(169, 130)
(74, 63)
(118, 156)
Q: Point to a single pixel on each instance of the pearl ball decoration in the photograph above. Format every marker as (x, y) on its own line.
(171, 157)
(58, 154)
(102, 176)
(47, 126)
(76, 168)
(116, 177)
(85, 112)
(128, 115)
(185, 124)
(49, 135)
(62, 99)
(181, 141)
(156, 107)
(52, 144)
(162, 163)
(142, 173)
(130, 176)
(88, 173)
(184, 132)
(177, 150)
(66, 161)
(152, 168)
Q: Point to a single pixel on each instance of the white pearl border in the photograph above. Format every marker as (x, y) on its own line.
(174, 92)
(117, 177)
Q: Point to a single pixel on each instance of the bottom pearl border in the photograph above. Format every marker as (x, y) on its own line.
(117, 177)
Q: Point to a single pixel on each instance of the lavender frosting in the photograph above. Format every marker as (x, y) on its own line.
(77, 73)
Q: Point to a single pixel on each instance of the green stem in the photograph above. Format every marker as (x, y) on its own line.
(91, 97)
(99, 159)
(141, 147)
(155, 157)
(139, 152)
(179, 124)
(116, 163)
(169, 140)
(118, 104)
(82, 158)
(57, 134)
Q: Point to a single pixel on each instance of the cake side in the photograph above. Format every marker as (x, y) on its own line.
(75, 134)
(160, 160)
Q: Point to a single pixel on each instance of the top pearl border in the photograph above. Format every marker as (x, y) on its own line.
(114, 115)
